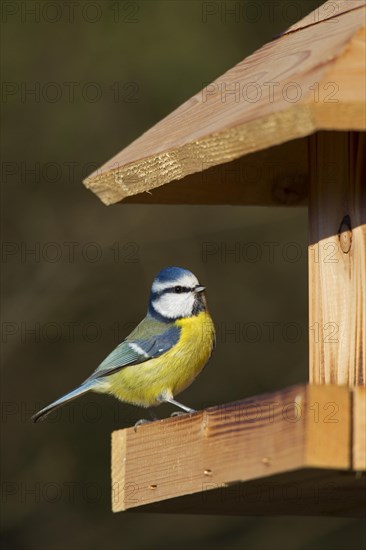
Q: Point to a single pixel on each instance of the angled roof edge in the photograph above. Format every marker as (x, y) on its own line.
(323, 63)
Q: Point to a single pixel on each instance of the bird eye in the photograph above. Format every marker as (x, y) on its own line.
(178, 289)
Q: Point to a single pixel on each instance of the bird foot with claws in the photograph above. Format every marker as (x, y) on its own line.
(141, 422)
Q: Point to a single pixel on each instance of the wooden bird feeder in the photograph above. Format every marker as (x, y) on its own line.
(297, 105)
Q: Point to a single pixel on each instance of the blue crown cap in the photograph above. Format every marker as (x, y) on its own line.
(171, 274)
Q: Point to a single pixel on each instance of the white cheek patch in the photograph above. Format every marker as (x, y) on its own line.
(188, 280)
(172, 305)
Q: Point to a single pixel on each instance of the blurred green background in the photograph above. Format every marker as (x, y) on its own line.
(81, 80)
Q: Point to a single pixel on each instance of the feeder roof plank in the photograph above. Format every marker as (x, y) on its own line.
(302, 82)
(329, 11)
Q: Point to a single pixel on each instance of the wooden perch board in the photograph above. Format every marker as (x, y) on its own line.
(310, 78)
(295, 440)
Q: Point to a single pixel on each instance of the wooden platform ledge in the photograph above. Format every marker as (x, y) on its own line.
(298, 451)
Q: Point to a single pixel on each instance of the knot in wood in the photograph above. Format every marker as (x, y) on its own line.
(345, 234)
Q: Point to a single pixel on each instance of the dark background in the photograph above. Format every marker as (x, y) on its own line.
(80, 82)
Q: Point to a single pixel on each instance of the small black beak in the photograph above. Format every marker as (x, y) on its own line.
(199, 288)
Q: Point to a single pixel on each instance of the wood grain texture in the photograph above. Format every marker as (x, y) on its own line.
(278, 176)
(337, 259)
(359, 429)
(341, 94)
(279, 93)
(256, 438)
(329, 12)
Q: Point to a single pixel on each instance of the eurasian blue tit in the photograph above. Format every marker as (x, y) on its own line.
(165, 352)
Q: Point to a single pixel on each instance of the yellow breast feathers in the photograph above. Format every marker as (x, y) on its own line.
(170, 373)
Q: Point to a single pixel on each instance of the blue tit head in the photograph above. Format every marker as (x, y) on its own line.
(175, 294)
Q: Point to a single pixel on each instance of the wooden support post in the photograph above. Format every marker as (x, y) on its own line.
(337, 259)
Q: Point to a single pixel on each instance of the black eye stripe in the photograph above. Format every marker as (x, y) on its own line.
(179, 289)
(171, 290)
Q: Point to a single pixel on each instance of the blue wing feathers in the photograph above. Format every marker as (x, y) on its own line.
(143, 350)
(161, 343)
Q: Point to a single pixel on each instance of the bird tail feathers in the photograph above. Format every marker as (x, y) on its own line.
(41, 415)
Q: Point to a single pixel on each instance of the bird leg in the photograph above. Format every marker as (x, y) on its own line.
(164, 398)
(181, 406)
